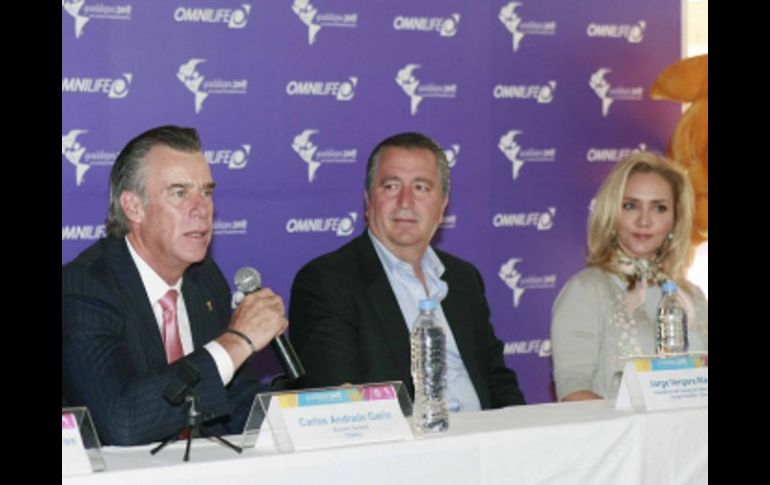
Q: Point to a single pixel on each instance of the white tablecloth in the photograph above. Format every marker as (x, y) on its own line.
(560, 443)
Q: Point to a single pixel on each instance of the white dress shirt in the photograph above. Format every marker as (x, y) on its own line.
(156, 288)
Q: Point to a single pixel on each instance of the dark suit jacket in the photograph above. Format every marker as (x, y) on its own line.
(346, 324)
(113, 360)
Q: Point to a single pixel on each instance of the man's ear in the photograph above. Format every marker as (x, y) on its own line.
(443, 209)
(132, 206)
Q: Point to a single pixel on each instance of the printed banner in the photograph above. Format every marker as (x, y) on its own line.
(533, 102)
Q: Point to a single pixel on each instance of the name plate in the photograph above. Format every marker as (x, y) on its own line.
(74, 460)
(339, 416)
(664, 383)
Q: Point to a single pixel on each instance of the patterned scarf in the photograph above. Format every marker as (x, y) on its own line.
(640, 274)
(638, 270)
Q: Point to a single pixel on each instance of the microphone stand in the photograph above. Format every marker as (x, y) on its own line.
(181, 387)
(194, 428)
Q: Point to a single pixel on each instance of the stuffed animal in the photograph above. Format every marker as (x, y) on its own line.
(687, 81)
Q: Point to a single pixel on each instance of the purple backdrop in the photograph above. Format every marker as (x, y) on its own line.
(533, 101)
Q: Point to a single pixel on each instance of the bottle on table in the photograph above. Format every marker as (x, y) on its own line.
(429, 369)
(671, 322)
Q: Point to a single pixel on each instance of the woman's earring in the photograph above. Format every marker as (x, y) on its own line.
(665, 246)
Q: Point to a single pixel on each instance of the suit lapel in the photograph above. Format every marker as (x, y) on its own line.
(200, 312)
(200, 307)
(386, 309)
(461, 321)
(392, 322)
(136, 303)
(456, 311)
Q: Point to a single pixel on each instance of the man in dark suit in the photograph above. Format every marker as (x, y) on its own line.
(147, 300)
(352, 309)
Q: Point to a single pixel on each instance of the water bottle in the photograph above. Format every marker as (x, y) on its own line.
(429, 369)
(671, 323)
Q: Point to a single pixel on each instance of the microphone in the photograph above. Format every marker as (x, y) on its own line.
(248, 280)
(183, 382)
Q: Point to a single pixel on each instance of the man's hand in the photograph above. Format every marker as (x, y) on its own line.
(259, 316)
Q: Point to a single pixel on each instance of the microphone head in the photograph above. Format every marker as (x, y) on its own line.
(248, 280)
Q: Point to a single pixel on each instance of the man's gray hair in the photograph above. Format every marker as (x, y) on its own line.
(409, 141)
(128, 172)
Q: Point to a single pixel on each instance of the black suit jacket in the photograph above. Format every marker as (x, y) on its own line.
(113, 360)
(346, 324)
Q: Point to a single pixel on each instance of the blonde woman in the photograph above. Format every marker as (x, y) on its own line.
(638, 237)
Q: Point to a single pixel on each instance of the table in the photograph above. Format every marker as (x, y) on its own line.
(585, 442)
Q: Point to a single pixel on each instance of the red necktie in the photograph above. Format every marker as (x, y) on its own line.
(171, 340)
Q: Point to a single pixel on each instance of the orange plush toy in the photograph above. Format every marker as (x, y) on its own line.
(687, 81)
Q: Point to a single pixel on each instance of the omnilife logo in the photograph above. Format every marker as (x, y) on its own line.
(76, 154)
(633, 33)
(519, 283)
(114, 88)
(444, 26)
(451, 154)
(72, 150)
(87, 232)
(309, 152)
(234, 18)
(540, 347)
(195, 82)
(609, 94)
(612, 154)
(314, 21)
(542, 221)
(82, 13)
(341, 226)
(518, 27)
(340, 90)
(230, 228)
(543, 94)
(417, 91)
(449, 221)
(518, 155)
(232, 158)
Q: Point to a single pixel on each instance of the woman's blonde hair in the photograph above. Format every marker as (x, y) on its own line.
(676, 253)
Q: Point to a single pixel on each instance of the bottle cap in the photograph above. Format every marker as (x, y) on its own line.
(426, 305)
(669, 287)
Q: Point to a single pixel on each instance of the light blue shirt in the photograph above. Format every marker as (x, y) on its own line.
(461, 396)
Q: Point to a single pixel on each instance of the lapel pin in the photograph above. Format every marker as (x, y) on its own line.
(210, 305)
